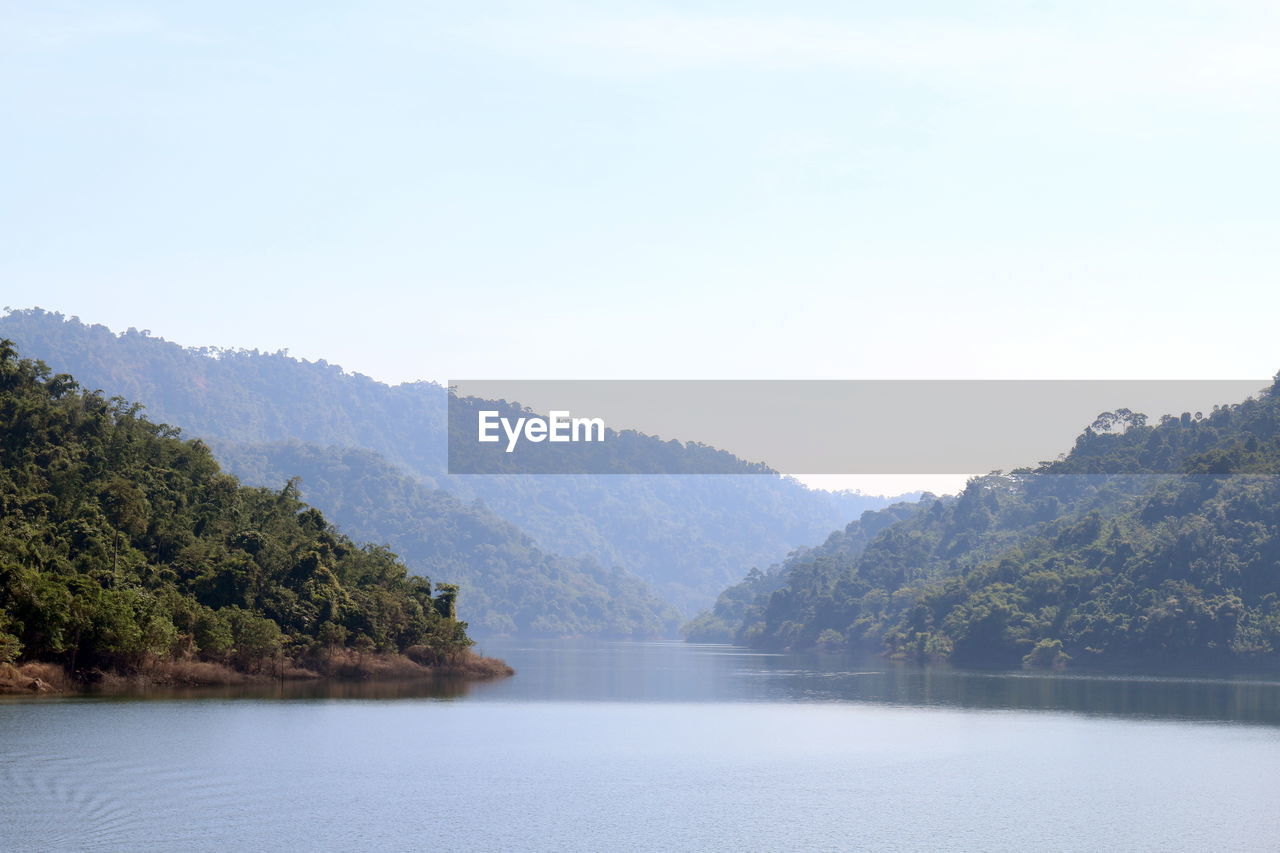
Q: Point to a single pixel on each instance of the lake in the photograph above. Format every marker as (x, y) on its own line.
(633, 746)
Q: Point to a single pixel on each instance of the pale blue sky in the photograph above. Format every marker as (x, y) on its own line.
(714, 190)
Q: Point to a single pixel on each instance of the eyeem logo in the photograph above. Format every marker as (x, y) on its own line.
(558, 426)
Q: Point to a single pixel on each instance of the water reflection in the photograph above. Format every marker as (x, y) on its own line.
(674, 672)
(1115, 695)
(596, 671)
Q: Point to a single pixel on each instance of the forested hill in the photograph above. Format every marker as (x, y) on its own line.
(121, 544)
(509, 585)
(687, 535)
(738, 611)
(1067, 563)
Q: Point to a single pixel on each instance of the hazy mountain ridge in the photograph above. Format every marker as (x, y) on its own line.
(1069, 561)
(687, 535)
(742, 605)
(509, 585)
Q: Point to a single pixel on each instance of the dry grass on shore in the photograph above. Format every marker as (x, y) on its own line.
(477, 666)
(176, 673)
(416, 662)
(35, 678)
(336, 664)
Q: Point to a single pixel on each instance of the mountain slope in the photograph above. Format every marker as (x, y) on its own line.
(1070, 561)
(738, 611)
(688, 536)
(121, 545)
(509, 585)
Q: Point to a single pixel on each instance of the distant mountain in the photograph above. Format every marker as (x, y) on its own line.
(739, 610)
(686, 535)
(509, 585)
(1095, 558)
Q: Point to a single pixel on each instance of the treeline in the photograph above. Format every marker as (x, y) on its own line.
(122, 544)
(1094, 558)
(736, 616)
(685, 535)
(512, 586)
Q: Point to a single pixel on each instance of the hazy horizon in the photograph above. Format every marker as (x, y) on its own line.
(656, 190)
(561, 190)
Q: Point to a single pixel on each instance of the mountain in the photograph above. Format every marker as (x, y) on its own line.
(1097, 558)
(739, 609)
(122, 545)
(510, 586)
(686, 535)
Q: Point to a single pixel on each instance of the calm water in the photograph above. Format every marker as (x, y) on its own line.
(655, 747)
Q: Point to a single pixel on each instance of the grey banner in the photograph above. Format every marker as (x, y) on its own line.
(798, 426)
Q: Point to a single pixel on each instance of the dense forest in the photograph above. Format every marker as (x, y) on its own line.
(742, 605)
(1089, 559)
(686, 535)
(122, 545)
(511, 586)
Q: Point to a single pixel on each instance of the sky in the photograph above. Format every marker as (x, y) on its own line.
(655, 190)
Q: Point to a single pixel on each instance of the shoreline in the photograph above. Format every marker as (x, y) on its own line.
(35, 678)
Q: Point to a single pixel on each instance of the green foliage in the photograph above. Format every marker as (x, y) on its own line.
(1047, 654)
(683, 535)
(1095, 558)
(121, 543)
(10, 645)
(830, 640)
(512, 586)
(739, 613)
